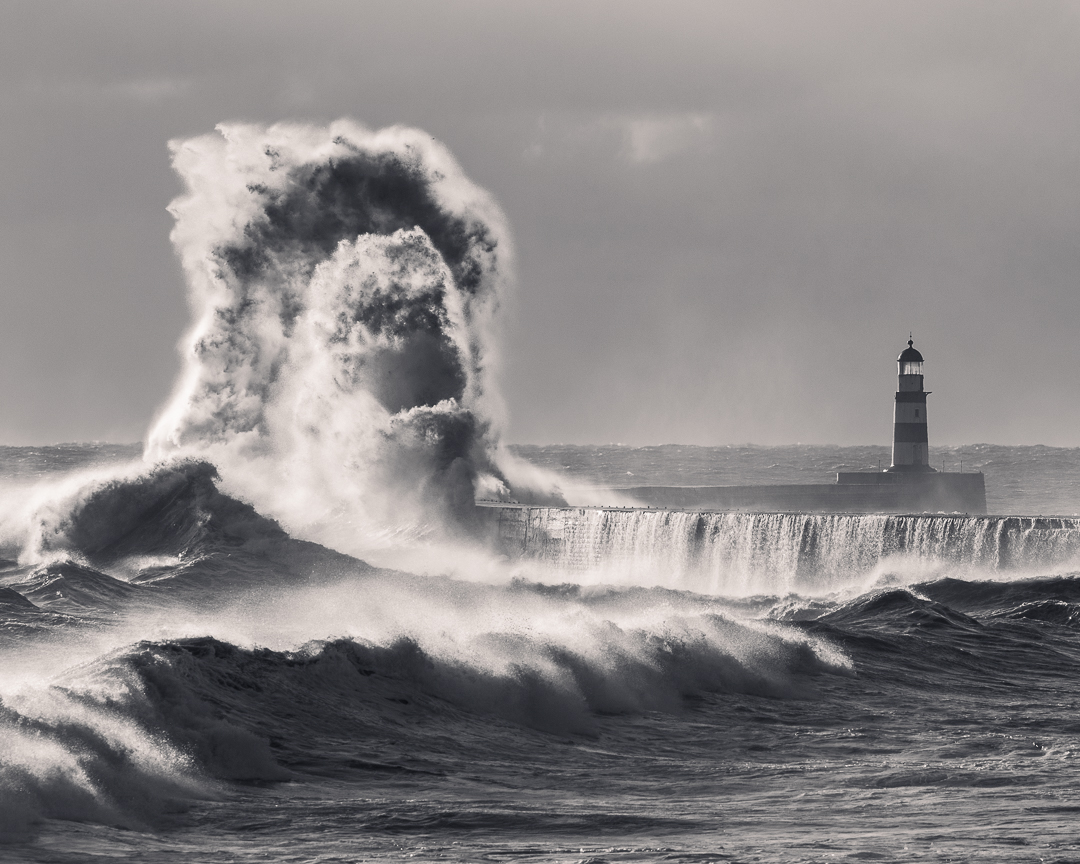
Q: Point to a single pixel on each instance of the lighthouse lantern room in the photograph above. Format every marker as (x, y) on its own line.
(909, 449)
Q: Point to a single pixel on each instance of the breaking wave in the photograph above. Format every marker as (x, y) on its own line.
(273, 657)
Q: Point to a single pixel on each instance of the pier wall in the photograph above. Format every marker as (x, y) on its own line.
(864, 492)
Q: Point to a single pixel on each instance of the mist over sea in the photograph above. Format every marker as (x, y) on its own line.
(279, 630)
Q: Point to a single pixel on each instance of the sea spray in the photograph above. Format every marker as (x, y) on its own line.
(340, 372)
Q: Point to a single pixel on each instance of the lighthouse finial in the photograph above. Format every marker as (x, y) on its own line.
(910, 341)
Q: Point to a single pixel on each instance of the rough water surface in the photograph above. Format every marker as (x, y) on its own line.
(183, 680)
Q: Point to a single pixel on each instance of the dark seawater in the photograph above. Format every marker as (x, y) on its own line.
(183, 680)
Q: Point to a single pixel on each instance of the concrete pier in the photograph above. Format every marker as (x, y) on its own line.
(862, 492)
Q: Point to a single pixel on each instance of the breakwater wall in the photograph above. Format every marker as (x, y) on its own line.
(853, 492)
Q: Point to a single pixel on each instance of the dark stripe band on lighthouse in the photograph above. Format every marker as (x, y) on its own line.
(910, 450)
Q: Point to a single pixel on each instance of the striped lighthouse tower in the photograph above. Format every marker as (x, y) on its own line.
(909, 449)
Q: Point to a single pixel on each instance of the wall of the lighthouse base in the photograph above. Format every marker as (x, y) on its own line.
(911, 454)
(869, 492)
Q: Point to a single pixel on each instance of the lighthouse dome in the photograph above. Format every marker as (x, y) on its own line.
(910, 355)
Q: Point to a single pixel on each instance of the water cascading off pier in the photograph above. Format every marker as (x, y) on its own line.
(777, 553)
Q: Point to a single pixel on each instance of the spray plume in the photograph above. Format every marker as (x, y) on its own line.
(339, 372)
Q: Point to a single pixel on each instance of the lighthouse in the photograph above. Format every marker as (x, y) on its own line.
(909, 449)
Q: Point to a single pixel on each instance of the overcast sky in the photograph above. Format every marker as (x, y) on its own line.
(728, 215)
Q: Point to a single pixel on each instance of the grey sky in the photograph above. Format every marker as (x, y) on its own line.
(728, 215)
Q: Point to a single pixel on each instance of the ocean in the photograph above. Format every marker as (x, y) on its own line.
(183, 680)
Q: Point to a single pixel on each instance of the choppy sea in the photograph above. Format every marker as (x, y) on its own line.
(184, 680)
